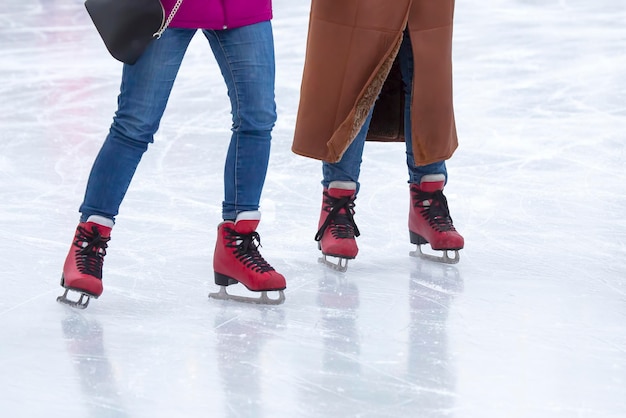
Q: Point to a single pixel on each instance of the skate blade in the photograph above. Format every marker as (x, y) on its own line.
(264, 299)
(81, 303)
(341, 264)
(444, 258)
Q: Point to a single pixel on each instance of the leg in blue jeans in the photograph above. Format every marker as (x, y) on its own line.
(246, 58)
(406, 68)
(349, 168)
(144, 93)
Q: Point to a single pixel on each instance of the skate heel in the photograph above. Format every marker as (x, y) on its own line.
(417, 239)
(223, 280)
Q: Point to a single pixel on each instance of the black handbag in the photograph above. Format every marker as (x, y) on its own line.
(127, 27)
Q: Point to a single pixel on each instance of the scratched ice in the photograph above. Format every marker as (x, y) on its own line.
(531, 323)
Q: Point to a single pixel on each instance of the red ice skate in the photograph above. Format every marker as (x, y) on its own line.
(337, 230)
(430, 221)
(237, 260)
(82, 271)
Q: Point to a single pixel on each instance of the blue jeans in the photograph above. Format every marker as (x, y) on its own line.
(349, 167)
(246, 59)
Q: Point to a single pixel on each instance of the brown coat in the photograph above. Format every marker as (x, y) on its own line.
(351, 49)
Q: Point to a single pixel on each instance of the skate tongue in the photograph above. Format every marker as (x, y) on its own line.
(432, 182)
(247, 221)
(101, 221)
(341, 188)
(246, 226)
(100, 224)
(337, 193)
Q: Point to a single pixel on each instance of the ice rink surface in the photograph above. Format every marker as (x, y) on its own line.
(530, 324)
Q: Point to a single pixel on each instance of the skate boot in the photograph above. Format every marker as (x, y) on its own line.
(337, 230)
(237, 260)
(430, 221)
(82, 271)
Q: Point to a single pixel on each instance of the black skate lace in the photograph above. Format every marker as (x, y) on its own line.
(92, 249)
(246, 248)
(437, 212)
(341, 225)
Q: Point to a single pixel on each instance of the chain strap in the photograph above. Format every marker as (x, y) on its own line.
(167, 22)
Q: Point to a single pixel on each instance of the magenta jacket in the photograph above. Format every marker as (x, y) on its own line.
(218, 14)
